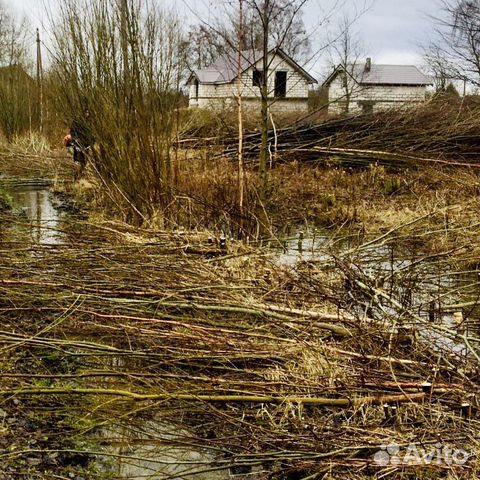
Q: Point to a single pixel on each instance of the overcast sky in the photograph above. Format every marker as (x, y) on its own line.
(392, 30)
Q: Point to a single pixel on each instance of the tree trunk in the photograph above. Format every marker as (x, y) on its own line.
(264, 148)
(264, 95)
(241, 168)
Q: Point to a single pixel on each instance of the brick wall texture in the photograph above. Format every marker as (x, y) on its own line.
(225, 95)
(379, 96)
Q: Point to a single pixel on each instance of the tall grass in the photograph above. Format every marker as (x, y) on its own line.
(116, 72)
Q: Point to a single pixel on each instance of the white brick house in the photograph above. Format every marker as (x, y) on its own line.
(369, 87)
(217, 86)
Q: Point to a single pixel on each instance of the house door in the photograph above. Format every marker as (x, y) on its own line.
(280, 84)
(197, 85)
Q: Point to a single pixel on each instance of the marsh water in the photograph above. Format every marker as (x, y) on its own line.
(431, 289)
(140, 453)
(390, 265)
(150, 452)
(34, 201)
(428, 288)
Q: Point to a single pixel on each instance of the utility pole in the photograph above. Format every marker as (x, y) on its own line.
(241, 166)
(40, 79)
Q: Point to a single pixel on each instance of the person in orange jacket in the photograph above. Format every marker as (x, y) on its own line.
(81, 140)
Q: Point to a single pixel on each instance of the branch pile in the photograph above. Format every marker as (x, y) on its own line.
(445, 129)
(120, 338)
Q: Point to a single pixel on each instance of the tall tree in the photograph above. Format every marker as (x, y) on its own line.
(346, 52)
(440, 68)
(286, 29)
(12, 38)
(278, 20)
(459, 30)
(204, 46)
(267, 24)
(17, 96)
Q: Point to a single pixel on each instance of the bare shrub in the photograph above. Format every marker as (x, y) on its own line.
(116, 71)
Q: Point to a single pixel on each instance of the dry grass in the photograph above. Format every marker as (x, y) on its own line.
(31, 156)
(370, 200)
(124, 326)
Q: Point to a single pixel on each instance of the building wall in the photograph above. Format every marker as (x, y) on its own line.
(380, 97)
(225, 95)
(291, 105)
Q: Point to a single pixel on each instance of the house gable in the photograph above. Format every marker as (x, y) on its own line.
(218, 85)
(339, 70)
(225, 69)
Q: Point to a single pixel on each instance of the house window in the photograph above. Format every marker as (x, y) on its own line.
(197, 85)
(257, 78)
(280, 84)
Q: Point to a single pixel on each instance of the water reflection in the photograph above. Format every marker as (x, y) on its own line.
(428, 287)
(155, 451)
(36, 203)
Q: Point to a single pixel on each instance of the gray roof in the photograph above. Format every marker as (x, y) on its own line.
(386, 75)
(225, 69)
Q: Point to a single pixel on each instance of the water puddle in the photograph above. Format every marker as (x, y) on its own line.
(154, 450)
(429, 289)
(157, 448)
(298, 249)
(34, 201)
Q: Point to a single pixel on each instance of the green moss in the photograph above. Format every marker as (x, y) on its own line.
(6, 200)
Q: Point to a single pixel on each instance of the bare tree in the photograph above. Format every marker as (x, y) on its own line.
(204, 46)
(241, 166)
(459, 30)
(116, 68)
(346, 52)
(440, 68)
(12, 38)
(270, 26)
(269, 12)
(18, 108)
(286, 28)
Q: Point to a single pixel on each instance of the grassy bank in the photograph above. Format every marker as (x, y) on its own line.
(368, 201)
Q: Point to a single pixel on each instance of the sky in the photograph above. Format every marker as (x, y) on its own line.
(392, 30)
(396, 29)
